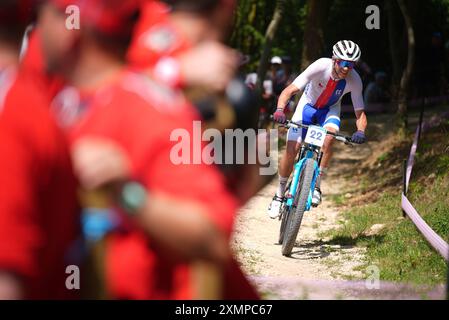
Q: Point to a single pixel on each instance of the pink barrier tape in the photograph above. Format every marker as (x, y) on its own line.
(434, 239)
(411, 158)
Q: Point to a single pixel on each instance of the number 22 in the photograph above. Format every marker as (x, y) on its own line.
(316, 135)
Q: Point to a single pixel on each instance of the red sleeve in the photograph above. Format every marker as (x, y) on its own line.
(33, 65)
(19, 234)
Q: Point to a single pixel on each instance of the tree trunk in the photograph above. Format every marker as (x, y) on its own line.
(317, 13)
(394, 33)
(406, 75)
(269, 37)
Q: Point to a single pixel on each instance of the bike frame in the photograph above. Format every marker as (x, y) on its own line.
(307, 152)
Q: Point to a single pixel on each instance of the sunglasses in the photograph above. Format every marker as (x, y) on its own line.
(346, 64)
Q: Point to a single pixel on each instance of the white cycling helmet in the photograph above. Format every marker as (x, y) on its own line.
(347, 50)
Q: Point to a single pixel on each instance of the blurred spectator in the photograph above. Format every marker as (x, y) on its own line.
(286, 78)
(271, 85)
(169, 42)
(38, 209)
(251, 80)
(276, 75)
(287, 71)
(364, 71)
(147, 257)
(377, 91)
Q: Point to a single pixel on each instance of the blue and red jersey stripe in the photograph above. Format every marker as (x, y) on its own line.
(331, 94)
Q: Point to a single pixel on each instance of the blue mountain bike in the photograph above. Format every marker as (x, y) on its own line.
(300, 188)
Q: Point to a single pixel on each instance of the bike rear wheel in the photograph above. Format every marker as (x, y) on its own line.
(295, 216)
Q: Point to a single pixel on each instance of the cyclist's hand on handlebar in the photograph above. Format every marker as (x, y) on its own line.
(358, 137)
(279, 116)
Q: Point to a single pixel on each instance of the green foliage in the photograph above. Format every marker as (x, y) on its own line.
(252, 20)
(337, 199)
(346, 21)
(399, 250)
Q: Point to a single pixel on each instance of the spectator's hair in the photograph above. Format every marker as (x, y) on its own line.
(15, 16)
(199, 6)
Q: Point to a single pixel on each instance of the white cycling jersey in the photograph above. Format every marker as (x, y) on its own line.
(322, 91)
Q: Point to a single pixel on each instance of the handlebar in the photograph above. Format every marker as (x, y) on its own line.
(290, 124)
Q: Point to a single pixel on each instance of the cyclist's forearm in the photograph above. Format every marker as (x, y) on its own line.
(362, 121)
(286, 95)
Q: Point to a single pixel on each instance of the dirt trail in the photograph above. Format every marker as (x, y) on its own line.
(312, 259)
(318, 269)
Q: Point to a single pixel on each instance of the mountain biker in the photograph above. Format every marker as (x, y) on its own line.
(323, 84)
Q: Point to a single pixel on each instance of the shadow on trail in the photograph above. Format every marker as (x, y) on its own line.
(318, 249)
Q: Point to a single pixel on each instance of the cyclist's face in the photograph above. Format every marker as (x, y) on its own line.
(341, 71)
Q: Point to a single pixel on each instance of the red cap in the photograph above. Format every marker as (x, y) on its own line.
(112, 17)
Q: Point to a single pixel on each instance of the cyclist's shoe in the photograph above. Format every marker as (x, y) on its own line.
(316, 198)
(275, 207)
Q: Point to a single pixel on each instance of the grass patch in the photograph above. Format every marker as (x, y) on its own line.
(398, 249)
(250, 257)
(383, 157)
(337, 199)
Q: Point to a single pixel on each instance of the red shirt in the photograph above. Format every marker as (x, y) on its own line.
(141, 115)
(33, 63)
(38, 209)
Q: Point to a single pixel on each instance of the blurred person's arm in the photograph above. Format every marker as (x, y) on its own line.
(20, 234)
(210, 65)
(10, 286)
(182, 227)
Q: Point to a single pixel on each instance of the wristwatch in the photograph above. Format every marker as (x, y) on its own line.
(133, 196)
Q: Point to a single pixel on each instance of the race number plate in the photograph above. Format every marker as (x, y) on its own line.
(315, 136)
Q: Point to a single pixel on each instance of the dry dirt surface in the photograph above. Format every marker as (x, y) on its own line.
(256, 235)
(316, 268)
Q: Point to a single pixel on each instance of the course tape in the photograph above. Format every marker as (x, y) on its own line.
(431, 236)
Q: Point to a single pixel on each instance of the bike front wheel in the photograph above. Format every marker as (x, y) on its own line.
(294, 218)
